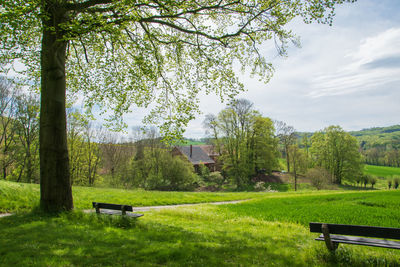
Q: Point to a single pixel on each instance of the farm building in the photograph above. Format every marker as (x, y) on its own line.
(197, 155)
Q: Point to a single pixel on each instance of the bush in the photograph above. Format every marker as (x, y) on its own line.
(159, 170)
(259, 187)
(372, 181)
(365, 180)
(319, 177)
(204, 172)
(358, 179)
(396, 182)
(216, 177)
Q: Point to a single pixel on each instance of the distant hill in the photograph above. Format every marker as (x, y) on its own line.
(377, 130)
(192, 141)
(379, 145)
(387, 137)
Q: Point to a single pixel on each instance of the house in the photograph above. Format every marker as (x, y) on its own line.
(211, 151)
(197, 155)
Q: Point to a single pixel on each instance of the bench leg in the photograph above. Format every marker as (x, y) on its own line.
(332, 246)
(97, 208)
(123, 212)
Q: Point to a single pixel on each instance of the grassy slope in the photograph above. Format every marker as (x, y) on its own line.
(381, 171)
(271, 230)
(375, 208)
(378, 136)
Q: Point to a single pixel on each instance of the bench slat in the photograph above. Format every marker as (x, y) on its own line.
(362, 241)
(358, 230)
(111, 206)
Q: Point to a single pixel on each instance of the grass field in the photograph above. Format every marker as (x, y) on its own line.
(270, 230)
(381, 171)
(17, 197)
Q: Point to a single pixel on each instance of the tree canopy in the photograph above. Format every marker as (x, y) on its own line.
(245, 139)
(338, 152)
(121, 53)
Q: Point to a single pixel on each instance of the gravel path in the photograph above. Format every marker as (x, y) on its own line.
(183, 205)
(148, 208)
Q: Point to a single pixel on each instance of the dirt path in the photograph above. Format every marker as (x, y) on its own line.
(148, 208)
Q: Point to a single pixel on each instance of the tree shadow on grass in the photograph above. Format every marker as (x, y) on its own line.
(87, 240)
(353, 187)
(173, 238)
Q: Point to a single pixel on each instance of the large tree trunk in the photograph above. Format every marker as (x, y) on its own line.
(55, 184)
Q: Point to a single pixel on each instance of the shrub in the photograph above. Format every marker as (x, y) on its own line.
(179, 175)
(372, 181)
(216, 177)
(204, 172)
(365, 180)
(159, 170)
(358, 179)
(396, 182)
(319, 177)
(259, 187)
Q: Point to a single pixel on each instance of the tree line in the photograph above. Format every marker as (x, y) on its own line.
(19, 133)
(249, 143)
(96, 155)
(382, 155)
(379, 145)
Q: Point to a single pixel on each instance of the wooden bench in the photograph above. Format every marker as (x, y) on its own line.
(112, 209)
(333, 234)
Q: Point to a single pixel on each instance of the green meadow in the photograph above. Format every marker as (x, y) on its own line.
(269, 229)
(381, 171)
(18, 197)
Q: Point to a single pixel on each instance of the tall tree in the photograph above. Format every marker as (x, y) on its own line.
(338, 152)
(210, 123)
(265, 145)
(119, 53)
(7, 124)
(298, 160)
(287, 137)
(92, 153)
(27, 120)
(248, 141)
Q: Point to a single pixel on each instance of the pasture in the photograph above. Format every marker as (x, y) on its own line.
(381, 171)
(271, 229)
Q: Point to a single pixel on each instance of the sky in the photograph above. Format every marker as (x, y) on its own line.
(347, 74)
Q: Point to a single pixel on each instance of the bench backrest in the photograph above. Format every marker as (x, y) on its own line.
(111, 206)
(358, 230)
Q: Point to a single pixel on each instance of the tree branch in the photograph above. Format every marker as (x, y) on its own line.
(87, 4)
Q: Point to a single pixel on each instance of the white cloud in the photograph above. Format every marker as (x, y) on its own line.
(374, 63)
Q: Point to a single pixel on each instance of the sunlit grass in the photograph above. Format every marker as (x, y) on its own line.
(270, 230)
(188, 236)
(24, 197)
(381, 171)
(375, 208)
